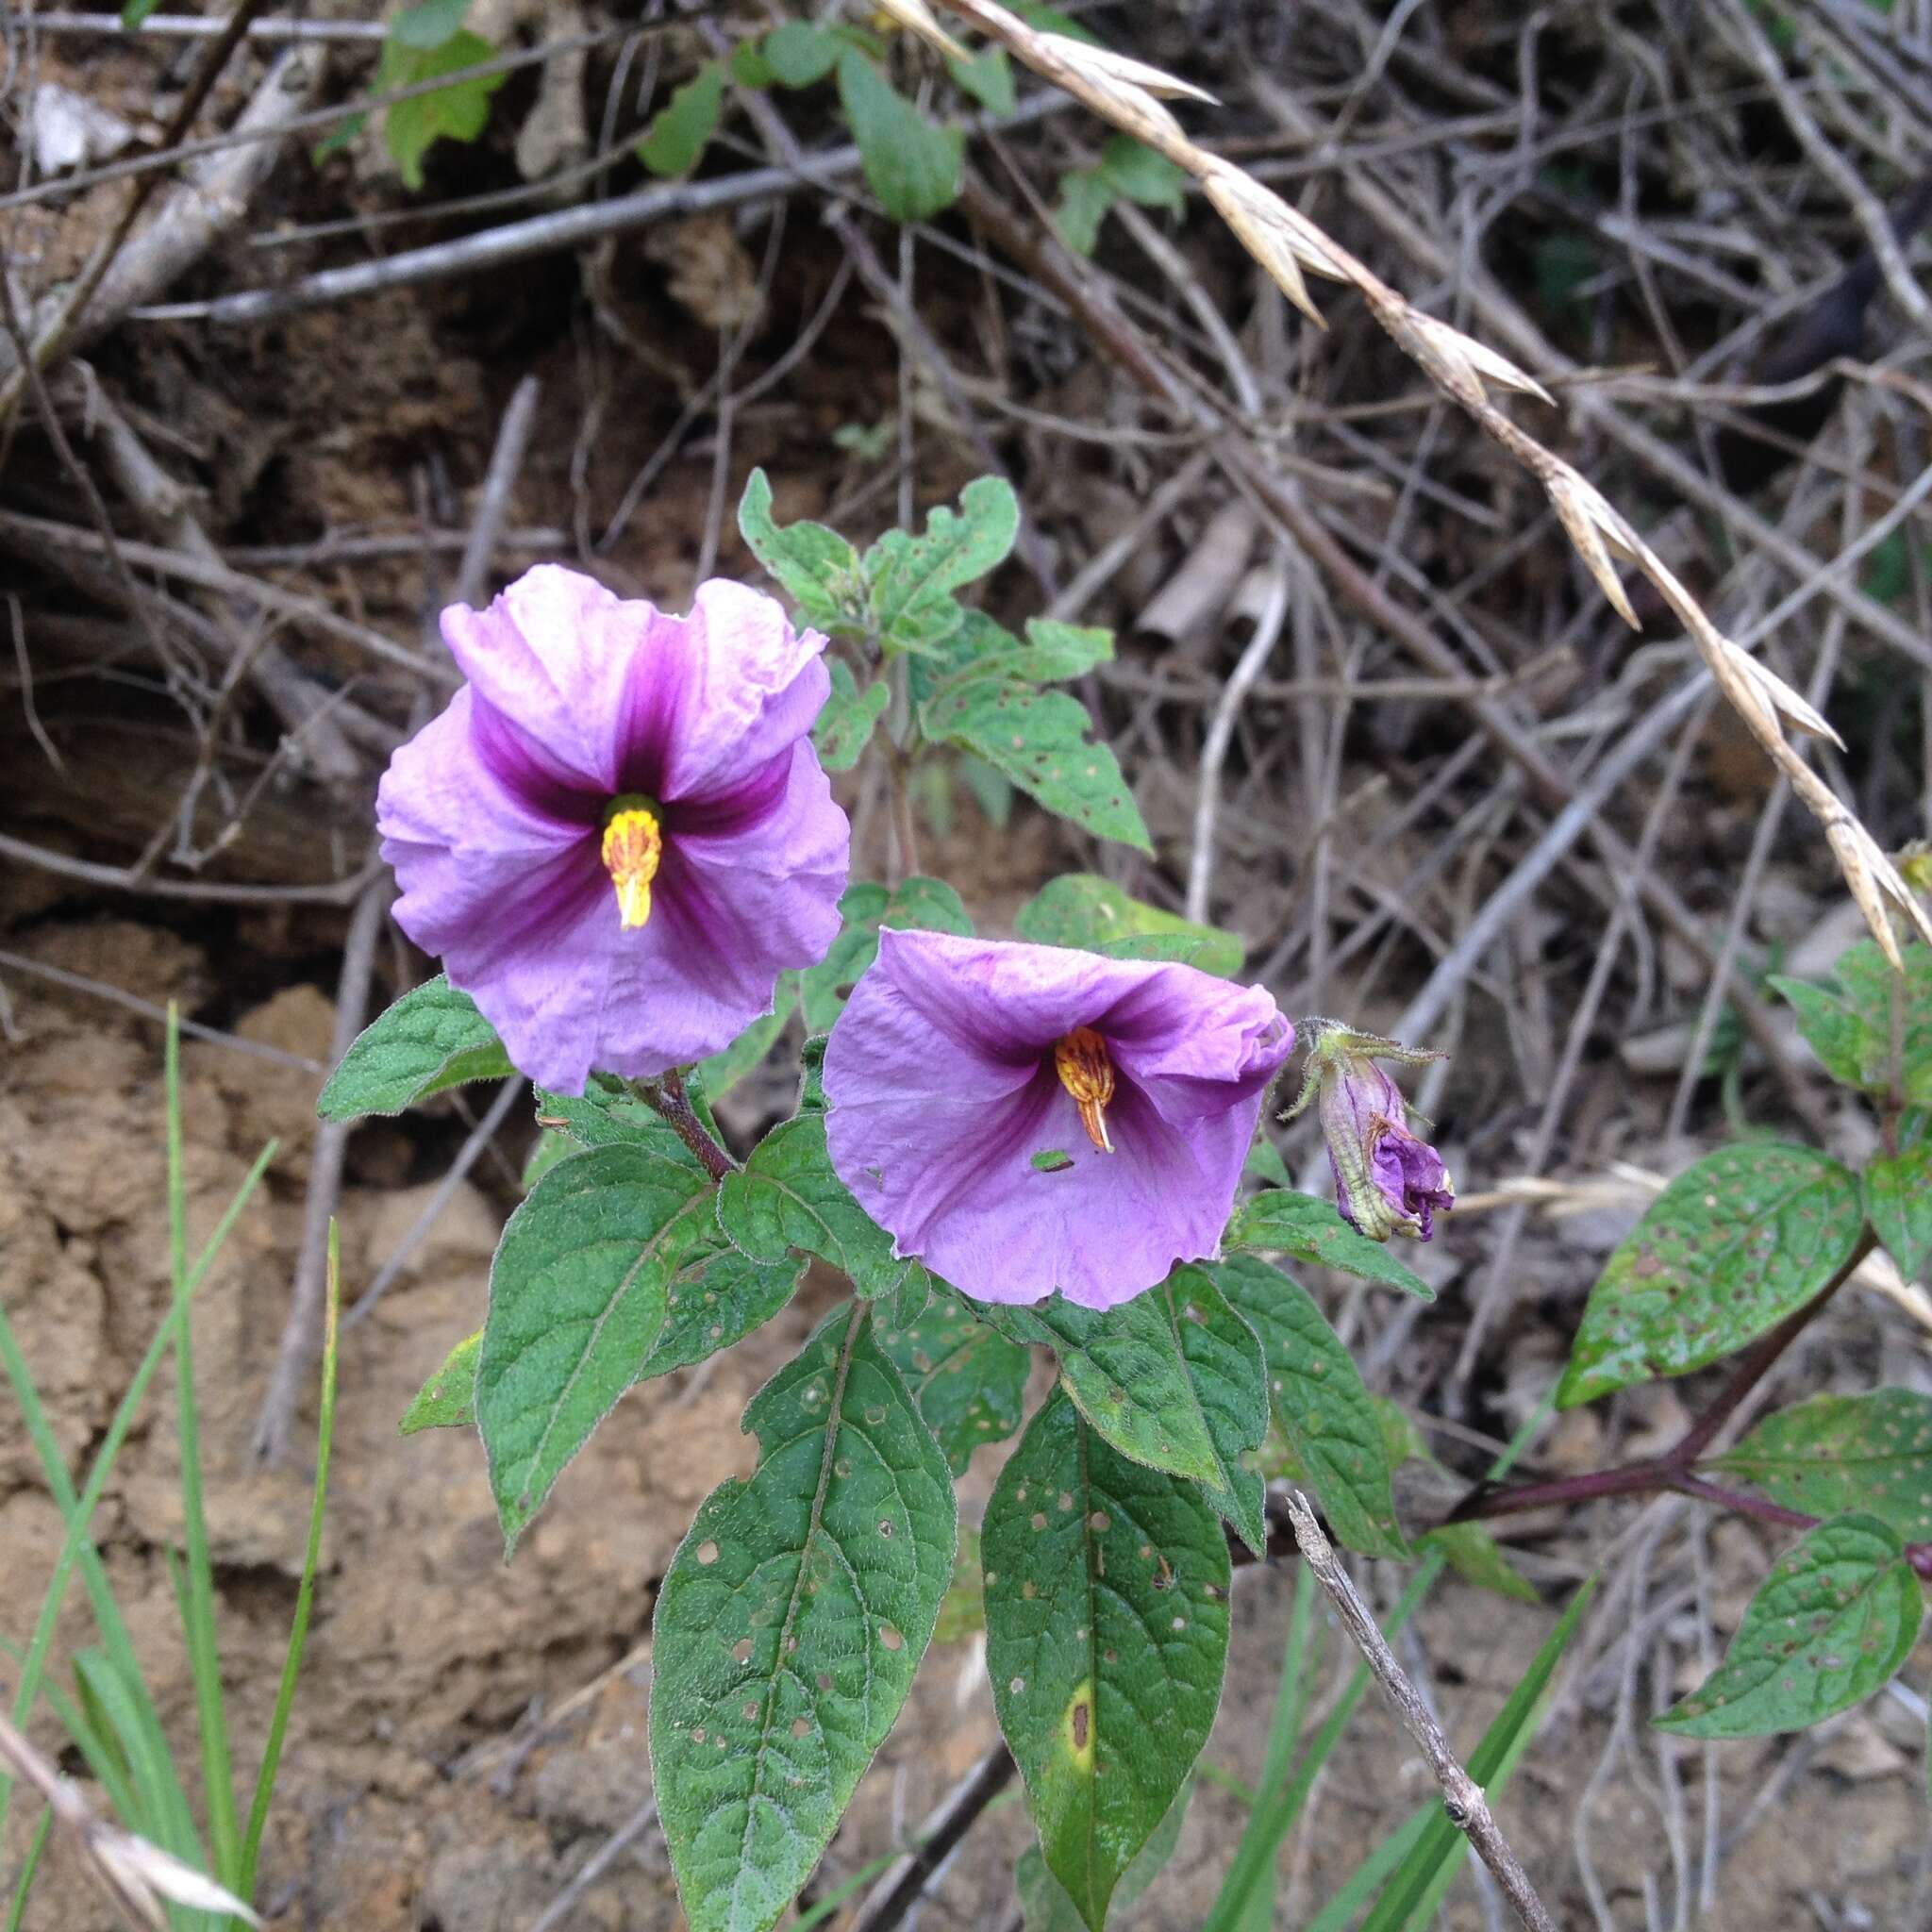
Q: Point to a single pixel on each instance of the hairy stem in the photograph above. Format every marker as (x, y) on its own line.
(668, 1098)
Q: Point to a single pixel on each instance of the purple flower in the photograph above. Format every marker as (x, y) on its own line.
(1027, 1118)
(618, 834)
(1387, 1180)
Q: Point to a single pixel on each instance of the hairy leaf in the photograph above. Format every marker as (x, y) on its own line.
(1831, 1623)
(910, 164)
(1850, 1027)
(448, 1399)
(577, 1303)
(1898, 1198)
(1730, 1248)
(607, 1114)
(431, 1040)
(845, 724)
(1045, 1902)
(790, 1624)
(817, 568)
(1106, 1636)
(1224, 1360)
(714, 1295)
(1840, 1452)
(1320, 1405)
(1279, 1221)
(913, 578)
(968, 1379)
(1082, 908)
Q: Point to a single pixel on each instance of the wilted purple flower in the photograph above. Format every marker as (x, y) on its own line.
(1387, 1180)
(1029, 1118)
(618, 834)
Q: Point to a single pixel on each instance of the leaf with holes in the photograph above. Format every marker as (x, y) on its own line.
(431, 1040)
(1850, 1027)
(786, 1196)
(680, 131)
(1830, 1625)
(714, 1295)
(846, 722)
(909, 163)
(966, 1378)
(1230, 1377)
(790, 1624)
(817, 568)
(917, 904)
(448, 1399)
(577, 1304)
(1126, 1373)
(1838, 1453)
(982, 648)
(1081, 908)
(913, 578)
(1040, 741)
(1106, 1639)
(1320, 1405)
(1279, 1221)
(1730, 1248)
(1898, 1198)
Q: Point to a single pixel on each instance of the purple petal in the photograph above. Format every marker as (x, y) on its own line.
(941, 1087)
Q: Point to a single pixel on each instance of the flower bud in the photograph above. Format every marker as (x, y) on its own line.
(1387, 1179)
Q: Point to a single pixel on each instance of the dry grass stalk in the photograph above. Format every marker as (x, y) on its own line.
(1286, 243)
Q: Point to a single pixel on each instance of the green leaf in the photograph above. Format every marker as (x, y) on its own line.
(1043, 1900)
(790, 1624)
(966, 1378)
(577, 1303)
(448, 1399)
(918, 904)
(431, 1040)
(714, 1296)
(845, 724)
(1086, 195)
(1106, 1636)
(1279, 1221)
(749, 66)
(548, 1149)
(607, 1114)
(459, 111)
(429, 24)
(1132, 169)
(1040, 741)
(1476, 1556)
(913, 578)
(1081, 908)
(134, 12)
(1224, 1360)
(988, 77)
(1850, 1027)
(818, 570)
(1124, 1368)
(1320, 1405)
(1840, 1452)
(909, 164)
(730, 1064)
(679, 132)
(799, 53)
(1898, 1199)
(1730, 1248)
(786, 1196)
(980, 647)
(1832, 1622)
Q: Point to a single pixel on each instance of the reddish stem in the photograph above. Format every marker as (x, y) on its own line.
(670, 1099)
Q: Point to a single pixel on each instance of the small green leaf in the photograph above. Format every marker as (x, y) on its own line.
(799, 53)
(909, 164)
(1730, 1248)
(817, 568)
(1124, 1370)
(1081, 908)
(577, 1303)
(1051, 1161)
(913, 578)
(749, 66)
(448, 1399)
(1225, 1362)
(1898, 1198)
(1040, 741)
(607, 1114)
(787, 1196)
(134, 12)
(548, 1149)
(1086, 195)
(1476, 1556)
(431, 1040)
(980, 647)
(968, 1379)
(1044, 1902)
(988, 77)
(429, 24)
(1135, 170)
(729, 1065)
(917, 904)
(679, 134)
(1279, 1221)
(790, 1624)
(1107, 1636)
(845, 724)
(1840, 1452)
(714, 1296)
(1850, 1027)
(1320, 1405)
(459, 111)
(1830, 1625)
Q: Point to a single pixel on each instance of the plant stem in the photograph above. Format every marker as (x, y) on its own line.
(669, 1098)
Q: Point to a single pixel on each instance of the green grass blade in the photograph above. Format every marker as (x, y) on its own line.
(29, 1865)
(1417, 1888)
(198, 1597)
(1339, 1913)
(244, 1886)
